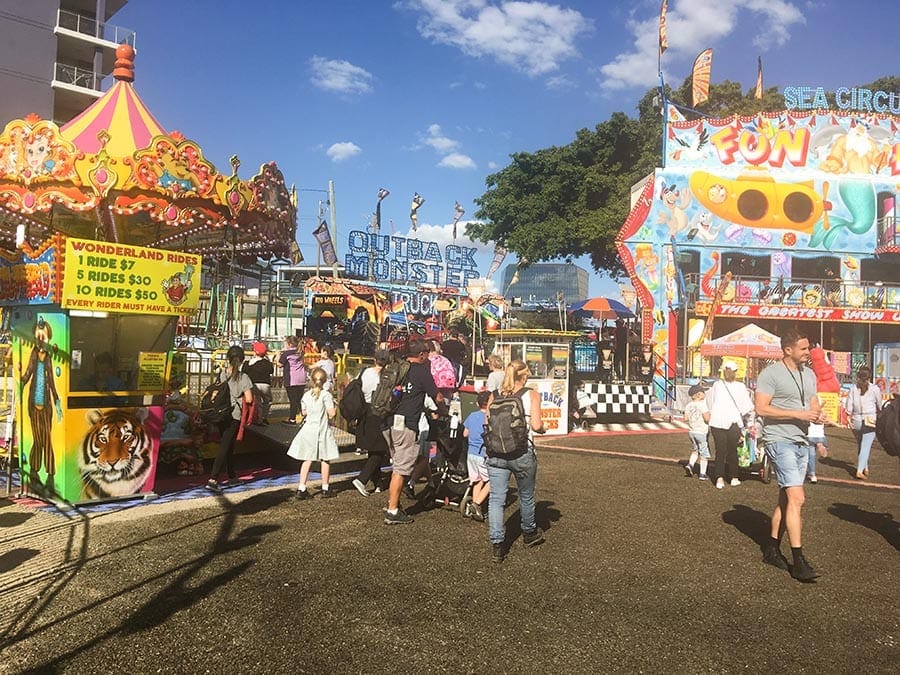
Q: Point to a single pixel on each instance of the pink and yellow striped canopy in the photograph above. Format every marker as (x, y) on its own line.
(121, 113)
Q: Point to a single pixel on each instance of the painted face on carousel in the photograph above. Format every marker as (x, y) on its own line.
(36, 153)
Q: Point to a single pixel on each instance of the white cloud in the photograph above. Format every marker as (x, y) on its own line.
(694, 25)
(341, 77)
(531, 36)
(338, 152)
(442, 235)
(492, 165)
(560, 83)
(456, 160)
(435, 138)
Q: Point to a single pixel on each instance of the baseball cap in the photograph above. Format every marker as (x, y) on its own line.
(696, 389)
(259, 348)
(417, 347)
(729, 365)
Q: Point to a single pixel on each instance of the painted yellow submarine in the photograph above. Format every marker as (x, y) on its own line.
(756, 200)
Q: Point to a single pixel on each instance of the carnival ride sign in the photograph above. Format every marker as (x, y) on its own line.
(34, 280)
(848, 314)
(400, 260)
(103, 276)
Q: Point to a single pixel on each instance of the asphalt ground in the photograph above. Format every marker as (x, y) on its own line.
(643, 570)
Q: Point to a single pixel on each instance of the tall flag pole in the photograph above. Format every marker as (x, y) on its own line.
(759, 80)
(458, 212)
(417, 201)
(700, 77)
(663, 45)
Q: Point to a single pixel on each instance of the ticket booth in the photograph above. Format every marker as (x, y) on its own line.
(92, 327)
(547, 355)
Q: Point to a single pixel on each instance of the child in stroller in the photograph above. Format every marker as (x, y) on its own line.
(449, 482)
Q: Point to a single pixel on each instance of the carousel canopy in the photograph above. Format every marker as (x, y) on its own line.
(114, 174)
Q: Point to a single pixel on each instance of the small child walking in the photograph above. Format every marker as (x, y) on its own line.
(315, 440)
(473, 428)
(817, 444)
(697, 415)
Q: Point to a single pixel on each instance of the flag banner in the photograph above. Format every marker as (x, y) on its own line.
(417, 201)
(377, 226)
(663, 38)
(702, 67)
(323, 236)
(499, 255)
(759, 81)
(458, 212)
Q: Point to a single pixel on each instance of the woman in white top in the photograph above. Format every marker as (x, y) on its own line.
(326, 363)
(862, 405)
(728, 401)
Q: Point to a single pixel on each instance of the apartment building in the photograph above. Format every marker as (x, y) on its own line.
(56, 56)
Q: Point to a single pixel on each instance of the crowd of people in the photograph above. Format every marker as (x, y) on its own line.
(784, 416)
(426, 396)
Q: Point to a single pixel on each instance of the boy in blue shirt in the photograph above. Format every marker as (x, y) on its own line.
(473, 428)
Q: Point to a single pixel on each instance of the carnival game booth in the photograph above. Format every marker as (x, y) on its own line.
(778, 218)
(547, 354)
(103, 227)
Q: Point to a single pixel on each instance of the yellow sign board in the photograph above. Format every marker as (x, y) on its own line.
(106, 276)
(151, 374)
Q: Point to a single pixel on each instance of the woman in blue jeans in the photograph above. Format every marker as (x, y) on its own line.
(862, 405)
(524, 468)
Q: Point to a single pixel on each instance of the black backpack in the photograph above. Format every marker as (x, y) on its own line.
(385, 398)
(353, 403)
(506, 427)
(887, 427)
(216, 404)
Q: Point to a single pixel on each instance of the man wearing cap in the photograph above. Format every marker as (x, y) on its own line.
(787, 402)
(729, 402)
(402, 435)
(259, 368)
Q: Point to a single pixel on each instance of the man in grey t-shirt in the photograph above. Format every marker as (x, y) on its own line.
(786, 401)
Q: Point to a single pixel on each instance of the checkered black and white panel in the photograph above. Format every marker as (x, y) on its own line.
(622, 399)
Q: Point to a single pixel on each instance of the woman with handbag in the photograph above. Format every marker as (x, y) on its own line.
(729, 404)
(862, 405)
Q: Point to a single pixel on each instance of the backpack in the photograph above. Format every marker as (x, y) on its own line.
(216, 404)
(887, 427)
(353, 403)
(385, 400)
(506, 427)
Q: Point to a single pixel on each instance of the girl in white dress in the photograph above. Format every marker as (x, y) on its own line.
(315, 440)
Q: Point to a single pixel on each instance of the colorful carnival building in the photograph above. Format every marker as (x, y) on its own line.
(778, 219)
(105, 224)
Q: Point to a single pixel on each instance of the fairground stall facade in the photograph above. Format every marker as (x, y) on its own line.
(781, 219)
(105, 225)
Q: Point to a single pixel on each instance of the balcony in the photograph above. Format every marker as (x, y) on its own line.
(775, 297)
(84, 26)
(76, 77)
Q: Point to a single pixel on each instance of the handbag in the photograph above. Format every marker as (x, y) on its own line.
(743, 451)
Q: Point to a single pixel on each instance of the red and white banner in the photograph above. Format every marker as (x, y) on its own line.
(799, 313)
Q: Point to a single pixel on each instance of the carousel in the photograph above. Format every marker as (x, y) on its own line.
(105, 226)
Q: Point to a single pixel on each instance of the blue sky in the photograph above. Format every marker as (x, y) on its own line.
(432, 96)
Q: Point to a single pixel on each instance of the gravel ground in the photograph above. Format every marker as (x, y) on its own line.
(643, 570)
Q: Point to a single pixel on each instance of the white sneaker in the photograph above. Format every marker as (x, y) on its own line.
(360, 488)
(735, 482)
(720, 483)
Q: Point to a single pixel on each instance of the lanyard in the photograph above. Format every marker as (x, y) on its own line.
(799, 384)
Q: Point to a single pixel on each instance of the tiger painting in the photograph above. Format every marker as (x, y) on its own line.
(116, 455)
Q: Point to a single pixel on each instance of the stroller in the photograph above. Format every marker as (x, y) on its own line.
(449, 483)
